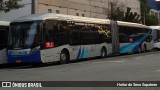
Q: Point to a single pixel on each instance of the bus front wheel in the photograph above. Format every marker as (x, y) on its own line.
(64, 57)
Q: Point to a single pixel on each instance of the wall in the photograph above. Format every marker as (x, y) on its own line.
(89, 8)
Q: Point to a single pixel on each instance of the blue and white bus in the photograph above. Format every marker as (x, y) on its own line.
(134, 37)
(44, 38)
(156, 36)
(4, 26)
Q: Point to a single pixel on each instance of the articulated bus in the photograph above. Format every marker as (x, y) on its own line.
(44, 38)
(156, 36)
(4, 26)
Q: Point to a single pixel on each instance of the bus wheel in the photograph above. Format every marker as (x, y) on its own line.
(103, 52)
(64, 57)
(144, 49)
(139, 49)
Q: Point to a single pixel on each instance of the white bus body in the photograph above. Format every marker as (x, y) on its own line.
(55, 37)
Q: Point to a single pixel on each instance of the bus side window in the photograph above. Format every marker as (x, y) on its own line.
(48, 31)
(48, 34)
(74, 38)
(3, 38)
(149, 38)
(158, 36)
(122, 38)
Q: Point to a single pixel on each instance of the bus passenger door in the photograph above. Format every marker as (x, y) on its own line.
(115, 37)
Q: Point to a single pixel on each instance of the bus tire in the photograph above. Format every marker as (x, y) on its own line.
(139, 49)
(64, 57)
(144, 49)
(103, 52)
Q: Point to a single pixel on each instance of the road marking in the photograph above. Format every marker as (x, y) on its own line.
(120, 61)
(157, 70)
(137, 58)
(150, 55)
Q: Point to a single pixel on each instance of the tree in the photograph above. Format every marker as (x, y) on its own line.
(6, 6)
(116, 12)
(146, 17)
(131, 16)
(151, 20)
(121, 13)
(144, 10)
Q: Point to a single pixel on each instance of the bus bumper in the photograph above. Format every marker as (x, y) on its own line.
(22, 59)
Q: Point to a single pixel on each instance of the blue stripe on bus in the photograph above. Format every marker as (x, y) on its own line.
(30, 58)
(133, 47)
(82, 53)
(86, 53)
(79, 53)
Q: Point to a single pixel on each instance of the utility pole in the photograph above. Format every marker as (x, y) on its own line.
(111, 10)
(90, 7)
(34, 6)
(144, 18)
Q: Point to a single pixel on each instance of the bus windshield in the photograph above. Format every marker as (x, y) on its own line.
(23, 35)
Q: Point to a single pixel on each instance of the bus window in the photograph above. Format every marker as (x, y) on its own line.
(56, 33)
(3, 37)
(123, 38)
(149, 38)
(48, 34)
(74, 38)
(158, 36)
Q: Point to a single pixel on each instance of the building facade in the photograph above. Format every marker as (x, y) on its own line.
(155, 8)
(85, 8)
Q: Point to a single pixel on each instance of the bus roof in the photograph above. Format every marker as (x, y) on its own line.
(61, 17)
(155, 27)
(54, 16)
(4, 23)
(129, 24)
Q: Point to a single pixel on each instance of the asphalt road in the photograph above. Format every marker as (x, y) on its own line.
(136, 67)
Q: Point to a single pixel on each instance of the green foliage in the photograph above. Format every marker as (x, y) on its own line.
(151, 20)
(131, 16)
(6, 6)
(144, 11)
(117, 12)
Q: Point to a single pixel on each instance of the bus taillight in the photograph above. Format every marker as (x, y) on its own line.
(131, 40)
(18, 61)
(49, 44)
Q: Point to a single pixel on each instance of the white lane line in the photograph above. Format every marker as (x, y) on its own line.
(120, 61)
(150, 55)
(137, 58)
(157, 70)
